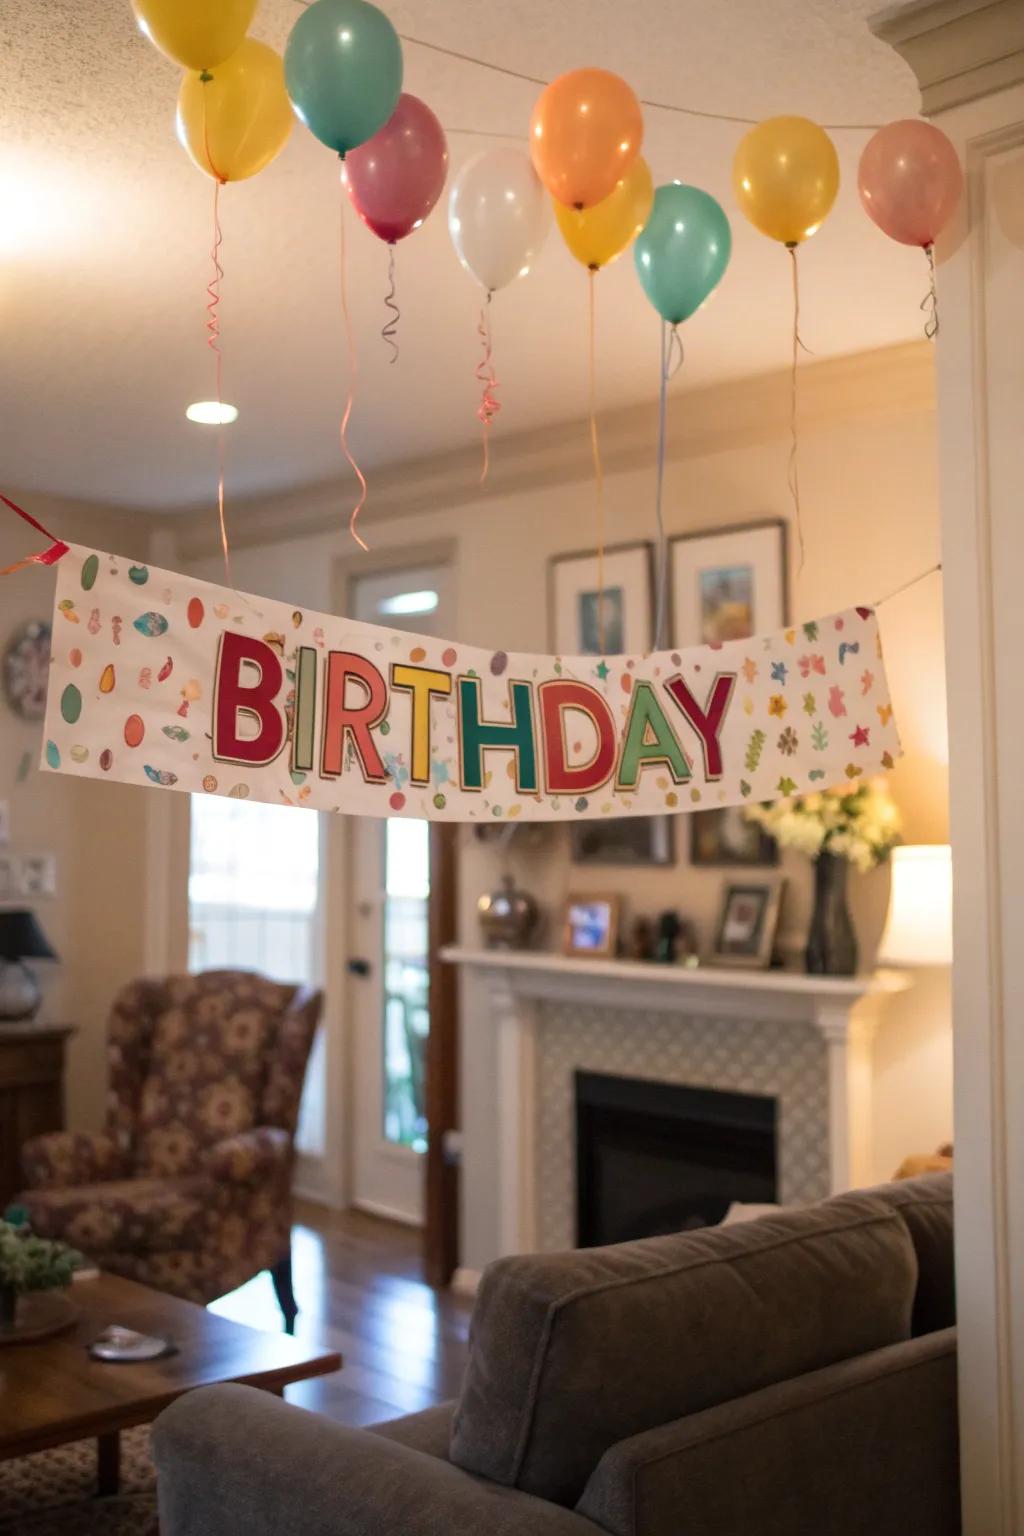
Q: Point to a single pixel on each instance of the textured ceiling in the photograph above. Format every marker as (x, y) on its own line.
(105, 235)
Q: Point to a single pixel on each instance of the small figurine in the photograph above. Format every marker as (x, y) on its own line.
(641, 946)
(669, 929)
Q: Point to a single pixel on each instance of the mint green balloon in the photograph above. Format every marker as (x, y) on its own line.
(682, 251)
(343, 71)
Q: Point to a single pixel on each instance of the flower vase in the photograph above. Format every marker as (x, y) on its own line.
(831, 941)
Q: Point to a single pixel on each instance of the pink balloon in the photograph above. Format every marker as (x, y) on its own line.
(395, 178)
(910, 180)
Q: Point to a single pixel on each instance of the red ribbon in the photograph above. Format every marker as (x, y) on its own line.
(56, 551)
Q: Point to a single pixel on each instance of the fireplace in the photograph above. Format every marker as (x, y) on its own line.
(655, 1157)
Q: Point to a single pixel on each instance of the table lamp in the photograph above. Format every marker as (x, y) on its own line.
(21, 939)
(919, 927)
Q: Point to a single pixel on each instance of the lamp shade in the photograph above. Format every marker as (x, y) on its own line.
(919, 927)
(21, 937)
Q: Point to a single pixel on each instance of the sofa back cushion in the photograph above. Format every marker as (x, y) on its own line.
(926, 1205)
(572, 1352)
(207, 1048)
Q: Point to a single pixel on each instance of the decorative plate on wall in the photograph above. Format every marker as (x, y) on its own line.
(26, 666)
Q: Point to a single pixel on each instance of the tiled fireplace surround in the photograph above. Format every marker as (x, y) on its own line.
(805, 1041)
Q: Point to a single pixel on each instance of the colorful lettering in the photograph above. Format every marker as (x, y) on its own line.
(304, 731)
(649, 739)
(424, 685)
(343, 721)
(559, 698)
(707, 722)
(477, 736)
(232, 699)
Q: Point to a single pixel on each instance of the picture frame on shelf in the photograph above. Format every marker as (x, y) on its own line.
(623, 841)
(727, 584)
(747, 923)
(574, 601)
(591, 927)
(722, 838)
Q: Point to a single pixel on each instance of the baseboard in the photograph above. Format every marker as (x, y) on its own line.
(386, 1212)
(465, 1282)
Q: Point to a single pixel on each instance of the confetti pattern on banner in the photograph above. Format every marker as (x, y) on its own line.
(159, 679)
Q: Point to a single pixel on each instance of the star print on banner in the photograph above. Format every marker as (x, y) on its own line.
(860, 736)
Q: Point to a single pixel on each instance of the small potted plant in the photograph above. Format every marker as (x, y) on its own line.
(836, 828)
(29, 1264)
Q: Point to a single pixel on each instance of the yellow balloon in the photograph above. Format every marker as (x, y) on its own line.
(786, 176)
(597, 235)
(198, 34)
(237, 122)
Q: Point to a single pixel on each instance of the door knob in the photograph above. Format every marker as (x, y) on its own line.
(359, 967)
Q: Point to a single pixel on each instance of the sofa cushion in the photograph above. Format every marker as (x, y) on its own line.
(429, 1431)
(571, 1352)
(926, 1205)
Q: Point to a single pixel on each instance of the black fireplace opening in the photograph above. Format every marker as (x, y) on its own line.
(653, 1158)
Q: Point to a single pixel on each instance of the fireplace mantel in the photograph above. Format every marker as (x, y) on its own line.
(518, 984)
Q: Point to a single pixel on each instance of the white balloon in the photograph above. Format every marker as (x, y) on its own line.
(498, 216)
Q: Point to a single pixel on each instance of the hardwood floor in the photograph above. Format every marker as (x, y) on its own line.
(359, 1286)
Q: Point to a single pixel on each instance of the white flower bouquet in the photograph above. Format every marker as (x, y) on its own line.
(861, 825)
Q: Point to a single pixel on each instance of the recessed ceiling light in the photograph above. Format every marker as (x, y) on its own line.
(212, 413)
(409, 602)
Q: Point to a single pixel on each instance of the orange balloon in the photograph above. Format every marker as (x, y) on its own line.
(585, 133)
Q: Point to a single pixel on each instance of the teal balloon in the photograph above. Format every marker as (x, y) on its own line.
(682, 251)
(343, 71)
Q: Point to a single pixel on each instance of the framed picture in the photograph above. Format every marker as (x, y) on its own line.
(574, 597)
(724, 839)
(728, 585)
(747, 924)
(624, 840)
(591, 925)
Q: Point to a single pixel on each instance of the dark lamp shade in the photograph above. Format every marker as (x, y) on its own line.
(21, 937)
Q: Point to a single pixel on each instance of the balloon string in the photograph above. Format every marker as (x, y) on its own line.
(793, 475)
(489, 405)
(213, 331)
(213, 342)
(57, 550)
(595, 449)
(670, 341)
(351, 344)
(930, 302)
(390, 330)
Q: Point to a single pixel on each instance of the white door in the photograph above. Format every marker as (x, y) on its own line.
(388, 959)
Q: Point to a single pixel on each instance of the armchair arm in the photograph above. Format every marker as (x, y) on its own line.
(250, 1157)
(64, 1158)
(243, 1463)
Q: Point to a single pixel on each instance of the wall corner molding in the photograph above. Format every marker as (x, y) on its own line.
(959, 50)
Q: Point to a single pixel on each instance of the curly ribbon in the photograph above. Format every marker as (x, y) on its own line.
(930, 302)
(595, 451)
(793, 475)
(671, 362)
(390, 330)
(57, 550)
(213, 331)
(350, 340)
(486, 377)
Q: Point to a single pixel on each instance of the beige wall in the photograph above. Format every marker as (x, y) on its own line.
(95, 831)
(868, 479)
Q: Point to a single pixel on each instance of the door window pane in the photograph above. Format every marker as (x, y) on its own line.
(406, 1015)
(253, 895)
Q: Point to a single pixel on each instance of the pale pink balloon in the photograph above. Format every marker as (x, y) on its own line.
(395, 178)
(910, 180)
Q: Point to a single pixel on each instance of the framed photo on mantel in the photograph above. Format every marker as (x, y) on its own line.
(728, 585)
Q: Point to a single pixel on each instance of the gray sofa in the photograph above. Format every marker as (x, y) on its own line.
(791, 1375)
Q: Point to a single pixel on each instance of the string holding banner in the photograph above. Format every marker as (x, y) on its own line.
(56, 550)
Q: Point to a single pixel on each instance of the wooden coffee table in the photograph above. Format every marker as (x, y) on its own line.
(53, 1392)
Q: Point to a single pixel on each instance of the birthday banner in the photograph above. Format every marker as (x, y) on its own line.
(159, 679)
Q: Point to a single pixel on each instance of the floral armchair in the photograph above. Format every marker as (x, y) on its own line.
(189, 1187)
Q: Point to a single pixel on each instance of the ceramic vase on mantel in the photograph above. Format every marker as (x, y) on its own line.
(831, 940)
